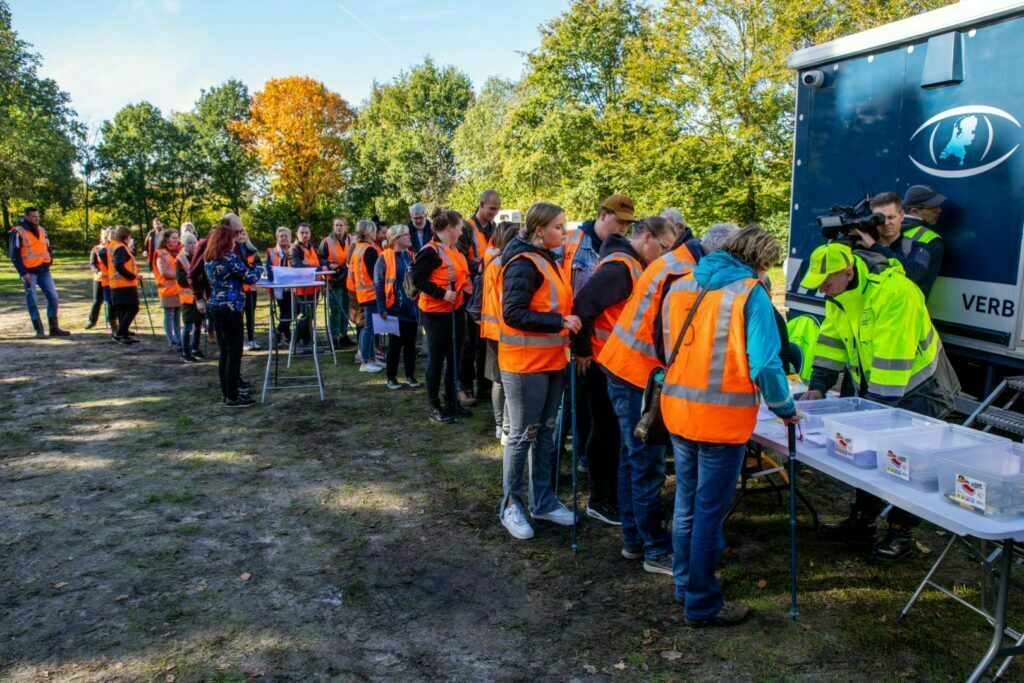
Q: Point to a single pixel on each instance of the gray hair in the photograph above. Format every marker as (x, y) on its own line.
(718, 235)
(417, 209)
(188, 239)
(675, 216)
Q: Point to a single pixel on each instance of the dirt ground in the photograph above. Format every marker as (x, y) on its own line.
(148, 534)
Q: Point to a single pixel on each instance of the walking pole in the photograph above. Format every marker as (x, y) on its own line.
(791, 437)
(575, 441)
(455, 367)
(145, 300)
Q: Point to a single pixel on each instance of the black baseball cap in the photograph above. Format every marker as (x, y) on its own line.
(922, 195)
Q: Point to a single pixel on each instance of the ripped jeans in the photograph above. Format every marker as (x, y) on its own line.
(532, 401)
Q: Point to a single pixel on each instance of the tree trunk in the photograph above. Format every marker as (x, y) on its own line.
(5, 210)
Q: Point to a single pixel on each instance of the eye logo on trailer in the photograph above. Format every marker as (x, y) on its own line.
(964, 141)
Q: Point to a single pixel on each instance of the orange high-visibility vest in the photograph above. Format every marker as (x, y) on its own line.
(185, 294)
(336, 251)
(276, 256)
(360, 279)
(569, 249)
(33, 250)
(478, 247)
(250, 260)
(629, 353)
(390, 271)
(117, 281)
(309, 260)
(166, 286)
(490, 307)
(453, 273)
(100, 275)
(521, 351)
(604, 323)
(708, 394)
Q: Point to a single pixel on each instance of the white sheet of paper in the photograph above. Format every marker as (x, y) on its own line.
(381, 326)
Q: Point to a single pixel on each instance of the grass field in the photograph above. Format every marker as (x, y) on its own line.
(150, 535)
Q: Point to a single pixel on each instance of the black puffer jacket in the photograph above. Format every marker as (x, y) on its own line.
(608, 286)
(520, 282)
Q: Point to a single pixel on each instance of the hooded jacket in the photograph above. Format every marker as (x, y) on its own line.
(520, 280)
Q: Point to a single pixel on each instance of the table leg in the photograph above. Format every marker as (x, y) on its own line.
(928, 577)
(327, 317)
(271, 348)
(1000, 614)
(316, 355)
(791, 437)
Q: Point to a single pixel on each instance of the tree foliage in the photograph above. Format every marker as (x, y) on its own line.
(297, 128)
(231, 168)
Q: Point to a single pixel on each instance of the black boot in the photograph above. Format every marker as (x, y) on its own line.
(37, 325)
(896, 544)
(91, 324)
(55, 330)
(856, 527)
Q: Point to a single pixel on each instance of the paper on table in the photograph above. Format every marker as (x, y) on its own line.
(381, 326)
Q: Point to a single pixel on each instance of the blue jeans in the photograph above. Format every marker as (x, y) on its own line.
(706, 476)
(366, 335)
(45, 282)
(532, 399)
(172, 325)
(641, 476)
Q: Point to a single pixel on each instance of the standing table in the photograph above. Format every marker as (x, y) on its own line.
(272, 380)
(927, 505)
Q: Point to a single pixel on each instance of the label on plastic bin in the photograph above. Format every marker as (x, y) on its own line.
(970, 492)
(844, 446)
(897, 465)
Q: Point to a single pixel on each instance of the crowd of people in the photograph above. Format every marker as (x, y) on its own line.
(521, 313)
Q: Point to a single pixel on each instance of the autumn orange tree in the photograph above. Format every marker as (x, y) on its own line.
(297, 129)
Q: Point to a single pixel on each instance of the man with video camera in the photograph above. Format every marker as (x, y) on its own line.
(920, 249)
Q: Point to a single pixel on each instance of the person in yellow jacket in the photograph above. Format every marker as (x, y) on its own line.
(877, 329)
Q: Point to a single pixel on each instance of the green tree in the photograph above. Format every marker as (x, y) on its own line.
(231, 168)
(477, 144)
(403, 137)
(38, 131)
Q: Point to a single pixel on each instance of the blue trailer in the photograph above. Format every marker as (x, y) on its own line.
(935, 100)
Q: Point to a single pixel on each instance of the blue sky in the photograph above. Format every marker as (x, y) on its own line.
(107, 53)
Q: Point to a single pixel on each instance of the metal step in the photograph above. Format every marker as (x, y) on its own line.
(1016, 382)
(1000, 418)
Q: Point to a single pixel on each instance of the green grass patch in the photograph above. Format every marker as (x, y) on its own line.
(171, 497)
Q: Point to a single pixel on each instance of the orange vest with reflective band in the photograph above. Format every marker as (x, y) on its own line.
(359, 277)
(185, 294)
(117, 280)
(390, 271)
(478, 247)
(276, 257)
(250, 260)
(453, 273)
(629, 353)
(521, 351)
(572, 245)
(33, 249)
(490, 307)
(100, 275)
(309, 260)
(708, 394)
(162, 264)
(604, 323)
(336, 251)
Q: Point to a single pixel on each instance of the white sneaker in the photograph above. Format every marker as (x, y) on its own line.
(370, 367)
(248, 346)
(504, 439)
(497, 432)
(560, 515)
(514, 520)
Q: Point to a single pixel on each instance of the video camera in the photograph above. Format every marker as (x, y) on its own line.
(842, 220)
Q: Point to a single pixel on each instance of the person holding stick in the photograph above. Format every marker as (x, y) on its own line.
(533, 337)
(441, 274)
(490, 310)
(124, 284)
(388, 275)
(100, 279)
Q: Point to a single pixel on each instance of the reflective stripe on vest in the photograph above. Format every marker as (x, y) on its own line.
(630, 353)
(118, 281)
(453, 273)
(523, 352)
(490, 308)
(33, 249)
(165, 286)
(309, 260)
(709, 397)
(335, 251)
(250, 260)
(604, 322)
(185, 294)
(100, 275)
(572, 245)
(390, 272)
(362, 280)
(277, 257)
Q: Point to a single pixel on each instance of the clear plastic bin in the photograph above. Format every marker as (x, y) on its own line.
(990, 485)
(815, 410)
(911, 457)
(852, 436)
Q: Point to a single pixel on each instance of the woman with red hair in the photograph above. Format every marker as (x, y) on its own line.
(228, 273)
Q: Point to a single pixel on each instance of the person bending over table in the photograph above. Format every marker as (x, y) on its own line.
(893, 356)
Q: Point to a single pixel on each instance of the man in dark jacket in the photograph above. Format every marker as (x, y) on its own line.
(30, 252)
(419, 227)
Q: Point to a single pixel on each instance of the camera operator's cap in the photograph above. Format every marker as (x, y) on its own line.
(621, 206)
(825, 260)
(922, 195)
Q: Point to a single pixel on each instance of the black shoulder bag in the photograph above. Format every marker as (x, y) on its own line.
(651, 428)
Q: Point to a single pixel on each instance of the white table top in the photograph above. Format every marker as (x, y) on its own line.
(266, 284)
(927, 505)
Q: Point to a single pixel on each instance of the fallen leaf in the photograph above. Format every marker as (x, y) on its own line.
(302, 511)
(906, 673)
(884, 618)
(671, 655)
(590, 668)
(59, 584)
(620, 665)
(925, 550)
(120, 598)
(169, 667)
(691, 660)
(245, 576)
(220, 667)
(169, 678)
(761, 583)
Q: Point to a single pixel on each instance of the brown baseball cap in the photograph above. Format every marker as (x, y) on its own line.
(621, 206)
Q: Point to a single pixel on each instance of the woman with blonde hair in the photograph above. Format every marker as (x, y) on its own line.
(721, 349)
(388, 274)
(533, 338)
(361, 264)
(191, 316)
(167, 285)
